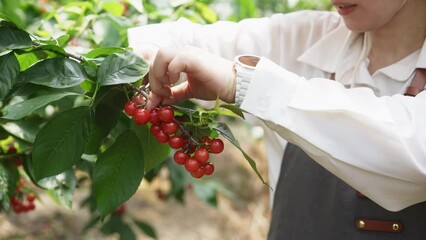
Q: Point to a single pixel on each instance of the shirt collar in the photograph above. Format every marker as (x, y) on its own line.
(331, 54)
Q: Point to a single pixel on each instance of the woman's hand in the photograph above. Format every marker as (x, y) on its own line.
(208, 76)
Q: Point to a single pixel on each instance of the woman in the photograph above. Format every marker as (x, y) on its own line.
(357, 134)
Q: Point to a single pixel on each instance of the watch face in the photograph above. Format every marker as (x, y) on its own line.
(249, 60)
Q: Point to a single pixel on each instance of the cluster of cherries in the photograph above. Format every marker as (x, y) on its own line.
(22, 202)
(191, 153)
(16, 159)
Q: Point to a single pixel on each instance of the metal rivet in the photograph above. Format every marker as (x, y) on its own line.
(395, 227)
(361, 224)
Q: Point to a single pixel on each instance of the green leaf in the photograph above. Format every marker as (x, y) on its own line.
(55, 73)
(120, 68)
(118, 173)
(9, 71)
(206, 12)
(14, 38)
(126, 233)
(113, 225)
(154, 153)
(61, 142)
(231, 107)
(147, 229)
(4, 190)
(25, 129)
(115, 8)
(24, 108)
(60, 41)
(107, 114)
(61, 187)
(98, 52)
(225, 131)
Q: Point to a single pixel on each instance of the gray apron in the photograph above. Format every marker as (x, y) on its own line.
(311, 203)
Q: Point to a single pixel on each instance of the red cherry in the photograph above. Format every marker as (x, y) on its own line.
(31, 197)
(216, 146)
(176, 142)
(202, 155)
(130, 108)
(162, 137)
(180, 157)
(191, 165)
(120, 209)
(141, 116)
(166, 114)
(169, 127)
(154, 117)
(208, 169)
(154, 129)
(198, 173)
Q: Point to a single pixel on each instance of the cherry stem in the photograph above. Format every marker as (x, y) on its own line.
(138, 90)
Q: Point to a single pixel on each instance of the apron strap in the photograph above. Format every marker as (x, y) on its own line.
(418, 83)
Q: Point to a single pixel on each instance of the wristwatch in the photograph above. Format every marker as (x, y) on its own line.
(244, 66)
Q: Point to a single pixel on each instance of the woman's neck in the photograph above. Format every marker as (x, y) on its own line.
(402, 36)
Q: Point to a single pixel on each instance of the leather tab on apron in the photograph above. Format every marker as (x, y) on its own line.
(360, 195)
(418, 84)
(378, 225)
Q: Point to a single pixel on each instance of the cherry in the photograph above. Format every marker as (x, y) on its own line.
(130, 108)
(162, 137)
(169, 127)
(141, 116)
(154, 129)
(208, 168)
(31, 197)
(198, 173)
(120, 209)
(166, 114)
(176, 142)
(154, 117)
(201, 155)
(191, 165)
(180, 157)
(216, 146)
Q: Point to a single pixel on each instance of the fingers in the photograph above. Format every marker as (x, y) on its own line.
(164, 72)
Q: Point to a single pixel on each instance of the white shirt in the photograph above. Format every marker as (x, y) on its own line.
(359, 127)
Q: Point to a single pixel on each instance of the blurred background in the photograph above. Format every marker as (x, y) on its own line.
(232, 204)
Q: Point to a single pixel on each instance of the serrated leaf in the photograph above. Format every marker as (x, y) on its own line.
(118, 173)
(154, 153)
(24, 108)
(61, 142)
(147, 229)
(61, 187)
(9, 69)
(14, 38)
(55, 73)
(226, 132)
(120, 68)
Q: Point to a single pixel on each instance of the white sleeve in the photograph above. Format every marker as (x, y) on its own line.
(268, 36)
(375, 144)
